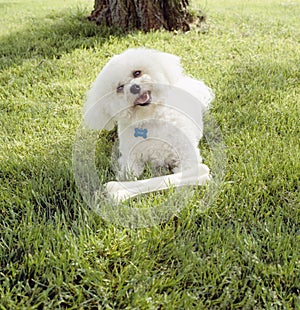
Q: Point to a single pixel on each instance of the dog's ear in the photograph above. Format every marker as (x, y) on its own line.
(197, 89)
(170, 65)
(96, 115)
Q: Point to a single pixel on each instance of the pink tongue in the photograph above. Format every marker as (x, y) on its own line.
(143, 98)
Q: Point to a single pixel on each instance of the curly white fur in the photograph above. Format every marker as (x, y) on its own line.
(158, 110)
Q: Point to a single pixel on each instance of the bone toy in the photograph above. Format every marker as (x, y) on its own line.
(121, 191)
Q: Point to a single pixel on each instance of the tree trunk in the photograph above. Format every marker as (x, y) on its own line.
(143, 14)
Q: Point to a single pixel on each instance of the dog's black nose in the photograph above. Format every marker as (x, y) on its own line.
(135, 89)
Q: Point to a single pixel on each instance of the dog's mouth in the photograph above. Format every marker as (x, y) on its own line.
(144, 99)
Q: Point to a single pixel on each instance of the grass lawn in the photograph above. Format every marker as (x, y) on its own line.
(242, 252)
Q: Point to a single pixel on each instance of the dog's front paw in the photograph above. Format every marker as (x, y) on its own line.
(130, 172)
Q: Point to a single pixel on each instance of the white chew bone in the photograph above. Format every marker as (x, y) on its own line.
(128, 189)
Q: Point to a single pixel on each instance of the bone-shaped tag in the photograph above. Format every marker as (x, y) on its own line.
(139, 132)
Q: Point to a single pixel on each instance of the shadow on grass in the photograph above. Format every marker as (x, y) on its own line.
(55, 35)
(44, 180)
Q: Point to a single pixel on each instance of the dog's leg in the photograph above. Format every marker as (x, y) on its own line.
(130, 169)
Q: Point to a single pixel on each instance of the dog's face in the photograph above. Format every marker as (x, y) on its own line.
(133, 80)
(137, 88)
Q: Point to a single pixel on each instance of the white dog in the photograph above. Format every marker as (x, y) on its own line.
(158, 110)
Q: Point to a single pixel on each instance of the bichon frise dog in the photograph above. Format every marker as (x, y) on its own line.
(158, 110)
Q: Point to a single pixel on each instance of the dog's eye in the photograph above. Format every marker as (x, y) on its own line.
(120, 88)
(136, 73)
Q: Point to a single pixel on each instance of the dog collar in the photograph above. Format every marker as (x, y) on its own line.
(141, 132)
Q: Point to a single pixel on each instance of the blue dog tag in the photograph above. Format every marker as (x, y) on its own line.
(139, 132)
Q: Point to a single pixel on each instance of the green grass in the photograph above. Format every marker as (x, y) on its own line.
(243, 252)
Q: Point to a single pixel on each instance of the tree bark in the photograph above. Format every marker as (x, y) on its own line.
(143, 14)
